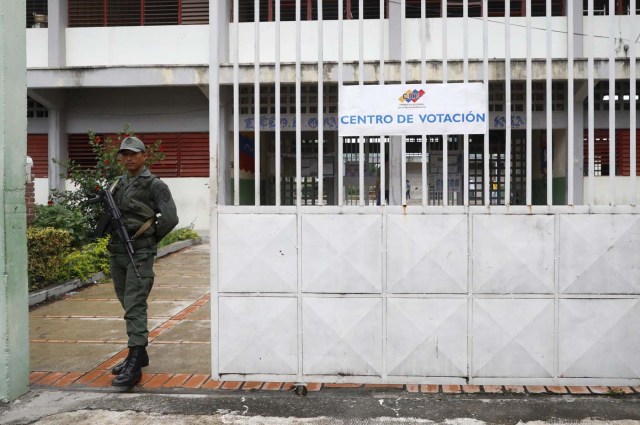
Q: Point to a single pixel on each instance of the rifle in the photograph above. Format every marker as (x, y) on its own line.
(117, 222)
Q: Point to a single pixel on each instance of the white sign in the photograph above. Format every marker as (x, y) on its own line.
(404, 109)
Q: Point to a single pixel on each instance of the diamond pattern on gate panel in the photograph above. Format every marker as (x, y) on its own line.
(342, 336)
(258, 335)
(342, 253)
(427, 337)
(600, 253)
(513, 254)
(257, 253)
(599, 338)
(513, 338)
(427, 253)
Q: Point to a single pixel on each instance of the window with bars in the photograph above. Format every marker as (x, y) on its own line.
(308, 10)
(518, 96)
(601, 7)
(36, 110)
(602, 158)
(38, 150)
(622, 96)
(95, 13)
(186, 154)
(37, 11)
(308, 99)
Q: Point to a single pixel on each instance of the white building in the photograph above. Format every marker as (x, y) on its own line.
(483, 270)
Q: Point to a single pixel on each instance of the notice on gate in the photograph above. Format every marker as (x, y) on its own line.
(404, 109)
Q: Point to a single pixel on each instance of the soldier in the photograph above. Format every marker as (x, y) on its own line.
(149, 214)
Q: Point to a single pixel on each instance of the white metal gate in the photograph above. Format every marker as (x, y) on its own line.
(425, 293)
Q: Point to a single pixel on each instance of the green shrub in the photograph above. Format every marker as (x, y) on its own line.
(59, 216)
(180, 234)
(90, 259)
(47, 248)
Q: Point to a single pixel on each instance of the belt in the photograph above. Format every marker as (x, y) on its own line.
(118, 247)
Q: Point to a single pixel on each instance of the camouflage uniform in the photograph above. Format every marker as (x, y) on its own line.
(139, 198)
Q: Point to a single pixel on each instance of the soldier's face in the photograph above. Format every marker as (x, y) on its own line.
(133, 161)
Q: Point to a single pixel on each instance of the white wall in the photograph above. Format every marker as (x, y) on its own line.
(37, 47)
(151, 45)
(603, 195)
(191, 196)
(309, 35)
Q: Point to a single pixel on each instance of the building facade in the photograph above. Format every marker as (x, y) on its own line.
(508, 255)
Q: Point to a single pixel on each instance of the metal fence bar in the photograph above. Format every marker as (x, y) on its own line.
(320, 106)
(235, 47)
(590, 106)
(383, 168)
(485, 72)
(256, 99)
(548, 107)
(298, 108)
(423, 79)
(277, 103)
(445, 137)
(361, 156)
(612, 105)
(403, 80)
(529, 98)
(340, 78)
(633, 129)
(507, 96)
(570, 104)
(465, 76)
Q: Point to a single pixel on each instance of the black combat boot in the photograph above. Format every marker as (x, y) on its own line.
(144, 362)
(132, 371)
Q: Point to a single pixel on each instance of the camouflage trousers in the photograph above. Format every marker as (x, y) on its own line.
(132, 292)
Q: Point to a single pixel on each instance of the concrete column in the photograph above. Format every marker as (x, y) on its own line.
(14, 329)
(395, 142)
(58, 149)
(58, 23)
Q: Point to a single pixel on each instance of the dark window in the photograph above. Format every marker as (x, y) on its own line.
(602, 159)
(92, 13)
(38, 150)
(37, 12)
(186, 154)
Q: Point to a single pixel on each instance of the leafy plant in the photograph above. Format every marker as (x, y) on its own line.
(180, 234)
(87, 181)
(92, 258)
(59, 216)
(47, 248)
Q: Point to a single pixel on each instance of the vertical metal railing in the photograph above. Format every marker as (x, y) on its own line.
(548, 105)
(256, 100)
(633, 129)
(320, 105)
(570, 104)
(403, 80)
(382, 184)
(507, 98)
(486, 179)
(235, 46)
(340, 170)
(298, 108)
(529, 98)
(612, 105)
(278, 100)
(464, 183)
(445, 78)
(590, 105)
(361, 153)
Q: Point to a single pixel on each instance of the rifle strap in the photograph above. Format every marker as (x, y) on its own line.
(144, 227)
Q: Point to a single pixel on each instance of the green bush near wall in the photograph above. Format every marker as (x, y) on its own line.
(92, 258)
(47, 248)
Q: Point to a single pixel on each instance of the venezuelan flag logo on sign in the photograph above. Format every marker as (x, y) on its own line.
(411, 96)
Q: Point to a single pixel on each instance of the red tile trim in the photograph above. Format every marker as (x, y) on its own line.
(196, 381)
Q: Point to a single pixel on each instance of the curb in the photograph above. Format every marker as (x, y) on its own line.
(56, 291)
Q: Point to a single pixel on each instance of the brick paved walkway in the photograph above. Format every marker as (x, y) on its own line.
(76, 340)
